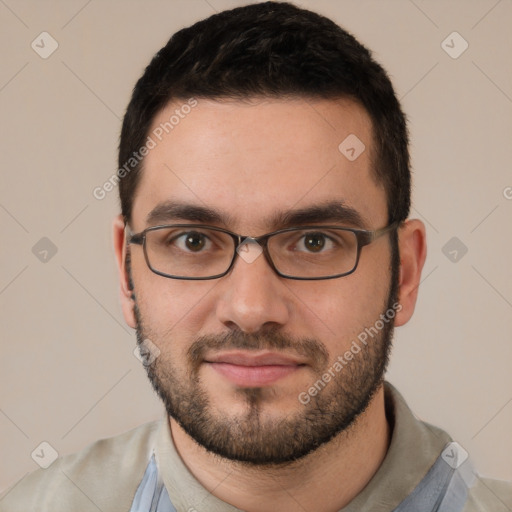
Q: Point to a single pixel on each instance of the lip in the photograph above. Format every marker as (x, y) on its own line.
(246, 369)
(244, 358)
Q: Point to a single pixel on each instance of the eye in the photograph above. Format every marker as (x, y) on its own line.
(191, 241)
(315, 242)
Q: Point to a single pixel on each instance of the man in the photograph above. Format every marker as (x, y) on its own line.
(265, 257)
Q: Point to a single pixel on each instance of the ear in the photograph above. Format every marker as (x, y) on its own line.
(127, 301)
(413, 251)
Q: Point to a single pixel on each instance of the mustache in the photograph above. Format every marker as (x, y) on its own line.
(266, 339)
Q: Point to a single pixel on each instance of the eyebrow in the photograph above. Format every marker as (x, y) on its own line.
(170, 211)
(330, 211)
(326, 212)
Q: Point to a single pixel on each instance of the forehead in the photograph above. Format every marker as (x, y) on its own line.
(250, 160)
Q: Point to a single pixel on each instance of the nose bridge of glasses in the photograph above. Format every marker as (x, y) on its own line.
(250, 248)
(246, 240)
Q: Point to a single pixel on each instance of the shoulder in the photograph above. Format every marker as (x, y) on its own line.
(489, 495)
(102, 476)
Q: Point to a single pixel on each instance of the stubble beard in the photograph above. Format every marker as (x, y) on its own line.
(253, 437)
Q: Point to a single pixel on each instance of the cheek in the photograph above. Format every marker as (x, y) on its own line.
(343, 308)
(170, 308)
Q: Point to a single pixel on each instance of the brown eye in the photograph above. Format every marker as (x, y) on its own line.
(194, 241)
(314, 242)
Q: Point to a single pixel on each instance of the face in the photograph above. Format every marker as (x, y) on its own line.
(243, 358)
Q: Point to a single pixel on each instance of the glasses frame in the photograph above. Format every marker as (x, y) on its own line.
(364, 237)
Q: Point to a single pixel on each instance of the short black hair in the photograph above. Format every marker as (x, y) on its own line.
(269, 49)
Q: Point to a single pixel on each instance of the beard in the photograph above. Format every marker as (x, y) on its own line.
(254, 437)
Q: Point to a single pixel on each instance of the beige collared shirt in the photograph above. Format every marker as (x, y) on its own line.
(105, 475)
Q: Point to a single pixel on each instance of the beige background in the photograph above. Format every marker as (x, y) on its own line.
(68, 373)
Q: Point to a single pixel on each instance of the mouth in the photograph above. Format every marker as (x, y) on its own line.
(246, 369)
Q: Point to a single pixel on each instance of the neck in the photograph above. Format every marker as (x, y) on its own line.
(325, 480)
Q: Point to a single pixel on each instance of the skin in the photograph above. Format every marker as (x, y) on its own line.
(248, 160)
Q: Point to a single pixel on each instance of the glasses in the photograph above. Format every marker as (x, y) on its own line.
(199, 252)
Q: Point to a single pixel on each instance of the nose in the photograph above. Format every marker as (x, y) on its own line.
(252, 295)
